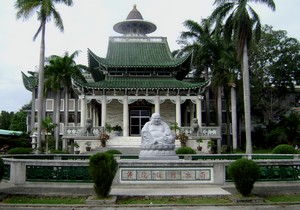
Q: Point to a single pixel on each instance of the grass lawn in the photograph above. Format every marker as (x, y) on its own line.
(43, 200)
(283, 198)
(175, 200)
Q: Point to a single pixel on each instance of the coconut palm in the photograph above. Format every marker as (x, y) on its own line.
(45, 10)
(48, 126)
(241, 21)
(199, 39)
(58, 73)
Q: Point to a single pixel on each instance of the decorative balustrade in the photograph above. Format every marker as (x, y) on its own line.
(72, 168)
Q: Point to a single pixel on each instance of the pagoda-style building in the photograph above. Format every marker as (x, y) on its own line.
(138, 76)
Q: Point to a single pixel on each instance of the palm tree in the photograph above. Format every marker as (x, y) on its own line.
(45, 11)
(48, 126)
(58, 73)
(200, 41)
(240, 21)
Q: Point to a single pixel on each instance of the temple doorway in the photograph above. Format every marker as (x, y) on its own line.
(138, 118)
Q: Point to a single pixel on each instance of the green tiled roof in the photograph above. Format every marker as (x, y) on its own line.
(137, 54)
(140, 83)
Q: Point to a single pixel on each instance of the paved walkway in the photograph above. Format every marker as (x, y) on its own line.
(155, 190)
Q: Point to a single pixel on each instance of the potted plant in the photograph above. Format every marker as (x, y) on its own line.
(174, 127)
(210, 146)
(76, 146)
(117, 130)
(88, 146)
(199, 141)
(182, 138)
(108, 128)
(103, 138)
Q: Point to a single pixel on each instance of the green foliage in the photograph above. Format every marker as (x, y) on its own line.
(114, 152)
(284, 149)
(20, 150)
(18, 122)
(117, 128)
(103, 168)
(58, 152)
(15, 141)
(244, 173)
(2, 168)
(185, 150)
(5, 119)
(108, 127)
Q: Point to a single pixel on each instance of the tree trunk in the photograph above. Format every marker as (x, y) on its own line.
(57, 118)
(207, 102)
(66, 108)
(41, 88)
(219, 143)
(234, 117)
(247, 104)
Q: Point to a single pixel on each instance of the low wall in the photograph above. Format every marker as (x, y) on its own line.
(206, 169)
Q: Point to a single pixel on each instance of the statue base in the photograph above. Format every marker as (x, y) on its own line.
(158, 152)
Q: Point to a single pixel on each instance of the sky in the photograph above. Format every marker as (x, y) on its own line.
(89, 24)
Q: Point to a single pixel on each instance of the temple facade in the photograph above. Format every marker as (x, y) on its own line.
(138, 76)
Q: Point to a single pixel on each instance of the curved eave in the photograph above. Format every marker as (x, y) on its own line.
(140, 84)
(28, 82)
(103, 62)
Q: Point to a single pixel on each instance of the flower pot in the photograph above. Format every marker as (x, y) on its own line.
(77, 152)
(103, 143)
(88, 148)
(199, 148)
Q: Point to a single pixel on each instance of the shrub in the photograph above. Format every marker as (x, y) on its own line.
(244, 173)
(284, 149)
(103, 168)
(2, 169)
(58, 151)
(114, 152)
(20, 150)
(185, 150)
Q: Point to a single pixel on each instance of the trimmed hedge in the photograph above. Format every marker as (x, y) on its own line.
(103, 168)
(20, 150)
(2, 169)
(114, 152)
(244, 173)
(185, 150)
(284, 149)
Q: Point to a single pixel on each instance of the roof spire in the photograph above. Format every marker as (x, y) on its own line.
(134, 25)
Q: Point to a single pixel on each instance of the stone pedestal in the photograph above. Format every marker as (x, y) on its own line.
(158, 152)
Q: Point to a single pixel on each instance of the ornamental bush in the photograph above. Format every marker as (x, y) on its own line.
(284, 149)
(185, 150)
(20, 150)
(103, 168)
(114, 152)
(2, 169)
(244, 173)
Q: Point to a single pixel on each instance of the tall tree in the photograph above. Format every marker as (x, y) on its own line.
(45, 10)
(200, 41)
(241, 21)
(58, 73)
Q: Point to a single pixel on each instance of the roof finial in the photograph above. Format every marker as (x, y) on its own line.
(134, 6)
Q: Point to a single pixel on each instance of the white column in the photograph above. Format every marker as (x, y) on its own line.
(199, 110)
(157, 104)
(125, 116)
(83, 110)
(103, 110)
(178, 111)
(94, 116)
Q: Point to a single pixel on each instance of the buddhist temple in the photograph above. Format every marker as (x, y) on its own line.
(138, 76)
